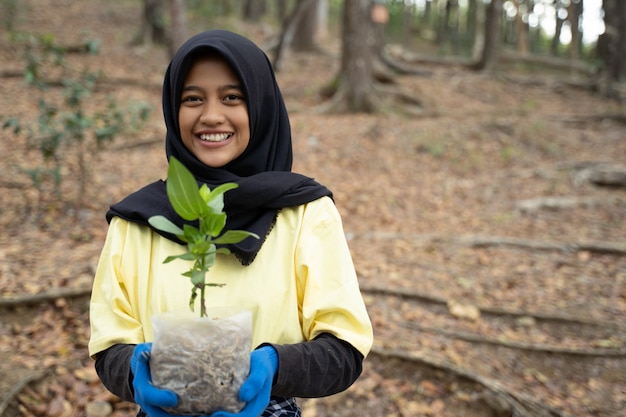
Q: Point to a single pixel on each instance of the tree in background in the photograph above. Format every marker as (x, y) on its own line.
(253, 10)
(295, 33)
(178, 16)
(489, 52)
(355, 82)
(612, 44)
(153, 23)
(306, 30)
(575, 19)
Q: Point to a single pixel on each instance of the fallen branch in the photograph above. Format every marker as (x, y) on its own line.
(44, 297)
(522, 404)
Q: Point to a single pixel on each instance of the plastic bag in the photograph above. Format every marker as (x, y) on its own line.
(204, 360)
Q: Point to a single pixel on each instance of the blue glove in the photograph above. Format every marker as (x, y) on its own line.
(255, 391)
(150, 398)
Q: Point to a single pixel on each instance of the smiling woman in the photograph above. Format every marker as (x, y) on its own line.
(213, 116)
(227, 123)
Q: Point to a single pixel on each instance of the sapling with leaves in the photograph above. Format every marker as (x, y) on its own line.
(206, 206)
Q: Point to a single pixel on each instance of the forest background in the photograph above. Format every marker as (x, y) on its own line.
(478, 163)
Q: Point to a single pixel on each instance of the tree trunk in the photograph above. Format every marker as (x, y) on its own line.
(178, 25)
(281, 8)
(521, 29)
(558, 26)
(253, 10)
(356, 57)
(492, 37)
(612, 44)
(479, 32)
(304, 37)
(289, 27)
(152, 23)
(472, 22)
(574, 17)
(322, 20)
(380, 17)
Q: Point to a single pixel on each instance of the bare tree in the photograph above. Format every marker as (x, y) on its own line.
(521, 28)
(558, 28)
(574, 17)
(492, 36)
(612, 44)
(178, 15)
(306, 30)
(288, 30)
(356, 81)
(361, 86)
(152, 23)
(253, 10)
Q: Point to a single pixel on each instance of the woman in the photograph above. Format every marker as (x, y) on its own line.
(226, 122)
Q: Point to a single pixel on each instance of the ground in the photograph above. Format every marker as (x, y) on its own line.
(492, 267)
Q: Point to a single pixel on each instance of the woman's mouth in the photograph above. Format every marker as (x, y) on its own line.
(215, 137)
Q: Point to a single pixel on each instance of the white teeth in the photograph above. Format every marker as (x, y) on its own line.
(217, 137)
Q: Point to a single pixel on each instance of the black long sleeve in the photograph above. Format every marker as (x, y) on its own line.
(317, 368)
(113, 368)
(324, 366)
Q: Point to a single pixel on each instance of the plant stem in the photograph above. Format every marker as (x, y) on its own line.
(203, 312)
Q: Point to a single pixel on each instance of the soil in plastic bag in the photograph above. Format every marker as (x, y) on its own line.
(204, 360)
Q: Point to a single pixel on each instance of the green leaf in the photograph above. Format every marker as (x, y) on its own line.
(192, 234)
(184, 256)
(197, 278)
(183, 192)
(205, 192)
(163, 224)
(234, 236)
(214, 224)
(216, 198)
(200, 248)
(216, 204)
(209, 258)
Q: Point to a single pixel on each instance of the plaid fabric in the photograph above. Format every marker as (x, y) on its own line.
(282, 407)
(278, 407)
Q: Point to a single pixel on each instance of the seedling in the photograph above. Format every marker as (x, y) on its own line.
(206, 206)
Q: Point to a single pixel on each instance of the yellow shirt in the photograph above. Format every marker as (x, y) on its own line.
(301, 283)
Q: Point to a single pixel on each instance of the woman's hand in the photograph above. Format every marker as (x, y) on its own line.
(255, 391)
(151, 399)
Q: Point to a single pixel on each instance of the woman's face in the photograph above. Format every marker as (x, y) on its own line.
(213, 115)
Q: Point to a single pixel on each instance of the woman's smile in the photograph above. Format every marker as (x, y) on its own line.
(213, 114)
(214, 137)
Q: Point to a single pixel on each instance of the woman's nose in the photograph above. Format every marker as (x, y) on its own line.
(212, 113)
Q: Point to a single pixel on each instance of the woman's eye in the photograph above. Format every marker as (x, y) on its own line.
(233, 97)
(191, 99)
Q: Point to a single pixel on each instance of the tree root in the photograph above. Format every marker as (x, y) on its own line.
(474, 338)
(17, 387)
(398, 292)
(521, 405)
(44, 297)
(605, 248)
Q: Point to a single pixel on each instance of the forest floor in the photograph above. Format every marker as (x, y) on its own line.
(492, 264)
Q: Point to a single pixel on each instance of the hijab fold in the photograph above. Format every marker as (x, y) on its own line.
(262, 172)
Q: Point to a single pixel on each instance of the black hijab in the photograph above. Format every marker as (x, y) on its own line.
(262, 171)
